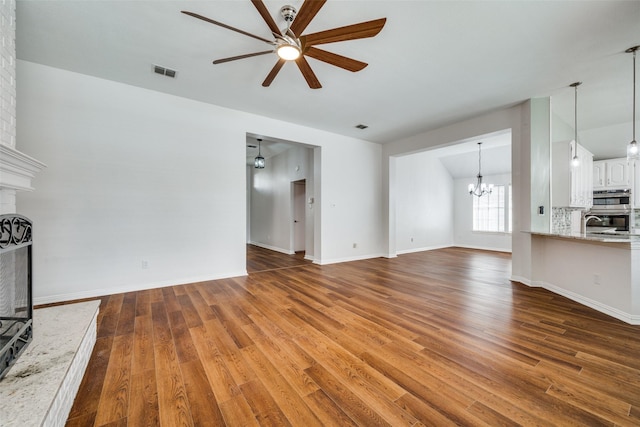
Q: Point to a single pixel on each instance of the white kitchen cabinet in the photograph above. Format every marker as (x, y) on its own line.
(635, 187)
(572, 186)
(599, 174)
(611, 174)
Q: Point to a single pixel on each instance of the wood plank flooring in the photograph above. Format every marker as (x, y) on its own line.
(261, 259)
(433, 338)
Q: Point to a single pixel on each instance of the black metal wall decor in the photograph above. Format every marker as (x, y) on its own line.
(16, 303)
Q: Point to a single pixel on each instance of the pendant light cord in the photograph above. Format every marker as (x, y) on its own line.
(634, 95)
(574, 160)
(575, 115)
(479, 159)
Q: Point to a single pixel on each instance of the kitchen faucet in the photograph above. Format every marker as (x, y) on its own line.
(586, 221)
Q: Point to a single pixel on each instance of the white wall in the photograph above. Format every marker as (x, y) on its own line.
(540, 149)
(424, 203)
(355, 171)
(463, 220)
(135, 175)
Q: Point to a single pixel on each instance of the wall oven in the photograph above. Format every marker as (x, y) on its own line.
(605, 201)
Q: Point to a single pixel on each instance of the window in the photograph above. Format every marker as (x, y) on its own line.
(492, 212)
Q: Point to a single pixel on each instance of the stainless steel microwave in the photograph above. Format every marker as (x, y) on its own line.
(611, 201)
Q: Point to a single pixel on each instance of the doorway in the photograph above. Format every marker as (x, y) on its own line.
(282, 198)
(299, 192)
(442, 213)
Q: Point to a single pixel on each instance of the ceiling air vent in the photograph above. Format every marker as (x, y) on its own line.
(361, 126)
(164, 71)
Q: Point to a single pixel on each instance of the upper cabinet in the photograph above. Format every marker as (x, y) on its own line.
(599, 175)
(611, 174)
(635, 172)
(572, 186)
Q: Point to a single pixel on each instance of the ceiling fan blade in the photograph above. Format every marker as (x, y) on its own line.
(308, 73)
(349, 32)
(307, 12)
(248, 55)
(264, 12)
(335, 59)
(273, 73)
(228, 27)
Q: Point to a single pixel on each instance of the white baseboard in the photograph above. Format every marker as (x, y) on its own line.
(347, 259)
(484, 248)
(425, 248)
(49, 299)
(596, 305)
(432, 248)
(273, 248)
(524, 281)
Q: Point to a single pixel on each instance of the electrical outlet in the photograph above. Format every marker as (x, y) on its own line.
(355, 245)
(412, 239)
(145, 264)
(596, 279)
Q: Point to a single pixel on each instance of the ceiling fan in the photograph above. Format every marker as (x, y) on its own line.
(290, 45)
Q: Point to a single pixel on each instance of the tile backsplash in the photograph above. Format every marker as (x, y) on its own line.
(561, 220)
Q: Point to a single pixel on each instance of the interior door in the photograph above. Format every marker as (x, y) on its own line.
(299, 194)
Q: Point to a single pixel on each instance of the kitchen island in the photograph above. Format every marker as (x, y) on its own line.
(601, 271)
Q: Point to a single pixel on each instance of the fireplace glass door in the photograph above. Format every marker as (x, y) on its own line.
(16, 311)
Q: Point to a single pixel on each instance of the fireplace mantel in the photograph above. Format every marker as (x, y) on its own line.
(17, 169)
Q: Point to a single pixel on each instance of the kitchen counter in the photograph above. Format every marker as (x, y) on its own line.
(633, 239)
(599, 270)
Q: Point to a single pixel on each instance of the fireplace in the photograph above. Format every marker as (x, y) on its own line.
(16, 310)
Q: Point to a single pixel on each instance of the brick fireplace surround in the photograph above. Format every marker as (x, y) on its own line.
(40, 388)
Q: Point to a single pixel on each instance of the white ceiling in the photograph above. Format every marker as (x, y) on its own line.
(461, 158)
(434, 63)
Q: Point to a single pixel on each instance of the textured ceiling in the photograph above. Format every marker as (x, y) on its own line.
(434, 63)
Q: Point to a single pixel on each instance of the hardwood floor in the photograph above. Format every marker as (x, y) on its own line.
(432, 338)
(260, 259)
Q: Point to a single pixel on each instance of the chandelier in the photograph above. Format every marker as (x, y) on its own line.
(480, 188)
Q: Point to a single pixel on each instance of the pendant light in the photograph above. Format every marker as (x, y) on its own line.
(258, 163)
(480, 188)
(575, 160)
(632, 148)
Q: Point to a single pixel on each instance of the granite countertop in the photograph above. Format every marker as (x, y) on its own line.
(593, 237)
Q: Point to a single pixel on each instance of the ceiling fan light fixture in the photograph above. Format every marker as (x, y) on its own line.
(292, 44)
(288, 52)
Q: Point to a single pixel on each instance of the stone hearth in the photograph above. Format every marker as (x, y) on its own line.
(40, 388)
